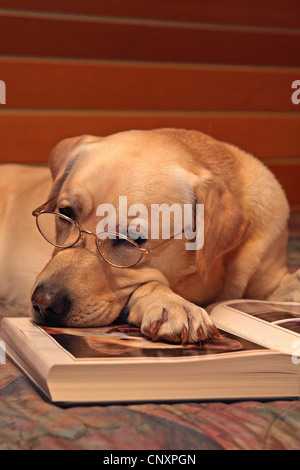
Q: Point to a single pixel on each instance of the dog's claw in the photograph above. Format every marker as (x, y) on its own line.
(214, 332)
(154, 327)
(184, 335)
(201, 334)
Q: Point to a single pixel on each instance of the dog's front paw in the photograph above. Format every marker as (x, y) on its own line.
(177, 321)
(164, 315)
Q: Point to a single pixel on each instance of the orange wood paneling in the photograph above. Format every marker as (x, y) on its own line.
(131, 40)
(104, 66)
(29, 136)
(55, 84)
(278, 13)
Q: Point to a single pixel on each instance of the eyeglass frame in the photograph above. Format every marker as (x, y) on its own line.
(144, 251)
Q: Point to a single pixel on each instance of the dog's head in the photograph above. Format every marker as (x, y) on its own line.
(146, 169)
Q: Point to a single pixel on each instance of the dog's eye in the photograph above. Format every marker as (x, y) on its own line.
(120, 242)
(123, 242)
(67, 211)
(140, 241)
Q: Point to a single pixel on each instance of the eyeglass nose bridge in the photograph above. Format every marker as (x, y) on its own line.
(82, 232)
(88, 232)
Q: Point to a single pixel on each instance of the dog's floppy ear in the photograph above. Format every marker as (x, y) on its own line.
(63, 157)
(61, 160)
(225, 222)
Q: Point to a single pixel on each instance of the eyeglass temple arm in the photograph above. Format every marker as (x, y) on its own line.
(158, 245)
(42, 207)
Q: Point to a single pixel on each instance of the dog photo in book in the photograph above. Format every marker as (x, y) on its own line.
(99, 262)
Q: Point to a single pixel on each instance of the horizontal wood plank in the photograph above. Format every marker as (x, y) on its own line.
(29, 136)
(278, 13)
(57, 84)
(106, 39)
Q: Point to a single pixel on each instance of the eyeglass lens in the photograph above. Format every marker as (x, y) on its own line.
(119, 251)
(58, 230)
(63, 233)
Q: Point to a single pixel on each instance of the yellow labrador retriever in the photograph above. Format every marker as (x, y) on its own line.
(86, 280)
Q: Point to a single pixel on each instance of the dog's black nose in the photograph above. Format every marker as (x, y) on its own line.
(49, 303)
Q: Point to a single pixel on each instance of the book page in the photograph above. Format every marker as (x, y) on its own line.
(274, 325)
(285, 315)
(124, 341)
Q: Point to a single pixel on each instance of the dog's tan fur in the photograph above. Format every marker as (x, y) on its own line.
(244, 252)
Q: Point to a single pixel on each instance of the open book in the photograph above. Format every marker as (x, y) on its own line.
(258, 356)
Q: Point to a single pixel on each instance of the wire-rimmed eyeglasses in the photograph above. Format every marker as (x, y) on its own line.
(115, 248)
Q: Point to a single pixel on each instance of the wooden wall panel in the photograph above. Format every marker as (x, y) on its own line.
(37, 35)
(104, 66)
(57, 84)
(275, 13)
(30, 136)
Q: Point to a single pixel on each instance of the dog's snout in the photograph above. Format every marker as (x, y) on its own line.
(49, 303)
